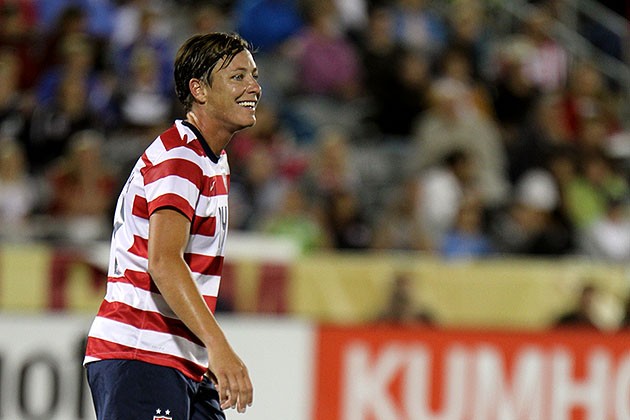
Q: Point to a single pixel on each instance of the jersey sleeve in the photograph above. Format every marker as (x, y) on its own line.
(174, 182)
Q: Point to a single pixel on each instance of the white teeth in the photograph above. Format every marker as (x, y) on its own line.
(250, 104)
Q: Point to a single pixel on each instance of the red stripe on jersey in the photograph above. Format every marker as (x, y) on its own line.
(204, 264)
(139, 247)
(171, 139)
(103, 349)
(172, 200)
(206, 226)
(146, 320)
(218, 185)
(140, 207)
(183, 168)
(137, 279)
(211, 302)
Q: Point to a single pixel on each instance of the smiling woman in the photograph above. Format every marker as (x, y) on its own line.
(155, 329)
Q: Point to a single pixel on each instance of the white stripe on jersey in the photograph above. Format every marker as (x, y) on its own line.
(177, 185)
(138, 298)
(117, 332)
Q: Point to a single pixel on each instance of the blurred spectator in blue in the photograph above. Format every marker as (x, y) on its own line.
(467, 239)
(454, 122)
(144, 102)
(18, 191)
(396, 79)
(77, 64)
(267, 24)
(417, 27)
(19, 33)
(151, 33)
(607, 238)
(99, 14)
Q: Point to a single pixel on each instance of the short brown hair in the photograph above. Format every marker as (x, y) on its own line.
(199, 55)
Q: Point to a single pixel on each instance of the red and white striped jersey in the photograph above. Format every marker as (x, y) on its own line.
(178, 170)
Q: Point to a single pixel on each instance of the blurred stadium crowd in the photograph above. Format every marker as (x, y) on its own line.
(393, 124)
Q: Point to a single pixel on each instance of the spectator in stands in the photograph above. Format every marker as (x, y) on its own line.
(18, 191)
(451, 123)
(417, 27)
(583, 314)
(442, 190)
(297, 220)
(19, 34)
(607, 238)
(543, 131)
(82, 186)
(329, 82)
(396, 78)
(144, 102)
(532, 223)
(152, 35)
(402, 307)
(15, 105)
(514, 95)
(257, 192)
(331, 168)
(346, 221)
(53, 123)
(467, 239)
(587, 195)
(399, 225)
(589, 98)
(547, 62)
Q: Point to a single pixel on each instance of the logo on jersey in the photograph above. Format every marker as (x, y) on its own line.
(160, 416)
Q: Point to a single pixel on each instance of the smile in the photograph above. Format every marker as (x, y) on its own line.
(248, 104)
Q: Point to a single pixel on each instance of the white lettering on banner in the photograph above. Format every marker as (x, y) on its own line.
(418, 385)
(590, 393)
(622, 385)
(366, 384)
(494, 398)
(540, 384)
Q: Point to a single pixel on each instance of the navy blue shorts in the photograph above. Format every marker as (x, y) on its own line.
(135, 390)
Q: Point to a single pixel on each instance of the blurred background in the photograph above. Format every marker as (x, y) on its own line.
(435, 193)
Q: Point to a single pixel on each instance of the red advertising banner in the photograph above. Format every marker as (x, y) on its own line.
(401, 373)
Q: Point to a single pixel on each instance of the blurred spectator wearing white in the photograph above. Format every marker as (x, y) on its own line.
(442, 190)
(607, 238)
(532, 224)
(18, 192)
(453, 122)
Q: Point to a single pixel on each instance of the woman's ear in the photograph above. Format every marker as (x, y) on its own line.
(198, 89)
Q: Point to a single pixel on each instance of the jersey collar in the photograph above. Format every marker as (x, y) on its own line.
(204, 144)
